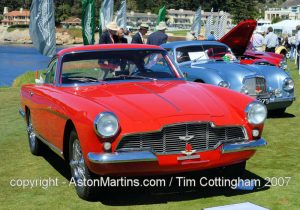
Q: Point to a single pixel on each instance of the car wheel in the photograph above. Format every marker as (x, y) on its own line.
(235, 171)
(81, 176)
(35, 144)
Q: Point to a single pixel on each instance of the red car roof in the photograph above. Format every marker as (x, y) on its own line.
(107, 47)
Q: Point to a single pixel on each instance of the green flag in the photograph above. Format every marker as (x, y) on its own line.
(88, 21)
(161, 15)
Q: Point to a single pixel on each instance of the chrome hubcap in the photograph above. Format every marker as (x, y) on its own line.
(31, 134)
(77, 162)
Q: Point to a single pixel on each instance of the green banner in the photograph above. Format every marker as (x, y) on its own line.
(161, 15)
(88, 21)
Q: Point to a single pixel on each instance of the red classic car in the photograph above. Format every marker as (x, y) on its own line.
(238, 39)
(127, 110)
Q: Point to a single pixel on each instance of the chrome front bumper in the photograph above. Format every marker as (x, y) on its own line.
(146, 156)
(242, 146)
(122, 157)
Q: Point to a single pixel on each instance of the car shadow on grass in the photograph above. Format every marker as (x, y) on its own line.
(284, 115)
(126, 196)
(56, 162)
(167, 188)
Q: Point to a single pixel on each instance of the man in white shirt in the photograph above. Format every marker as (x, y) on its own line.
(271, 40)
(258, 41)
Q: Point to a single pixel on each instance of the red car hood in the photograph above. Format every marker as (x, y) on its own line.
(266, 54)
(150, 101)
(238, 37)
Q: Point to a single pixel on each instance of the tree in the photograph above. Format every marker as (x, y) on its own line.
(242, 9)
(62, 12)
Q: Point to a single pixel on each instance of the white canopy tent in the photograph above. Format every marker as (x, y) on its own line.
(284, 27)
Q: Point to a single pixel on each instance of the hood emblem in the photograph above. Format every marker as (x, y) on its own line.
(188, 147)
(188, 150)
(186, 138)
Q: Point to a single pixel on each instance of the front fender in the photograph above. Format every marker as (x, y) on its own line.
(203, 74)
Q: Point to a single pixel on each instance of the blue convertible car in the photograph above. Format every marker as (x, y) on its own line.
(213, 63)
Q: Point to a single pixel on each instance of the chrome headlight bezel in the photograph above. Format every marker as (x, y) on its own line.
(99, 124)
(224, 84)
(288, 84)
(256, 113)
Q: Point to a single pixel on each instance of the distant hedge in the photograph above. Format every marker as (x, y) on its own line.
(14, 27)
(19, 26)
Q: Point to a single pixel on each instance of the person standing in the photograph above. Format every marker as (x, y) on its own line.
(158, 37)
(211, 36)
(119, 38)
(298, 45)
(138, 37)
(271, 40)
(258, 41)
(127, 35)
(292, 42)
(107, 37)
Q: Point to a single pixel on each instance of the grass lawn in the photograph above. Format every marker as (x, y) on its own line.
(279, 159)
(178, 33)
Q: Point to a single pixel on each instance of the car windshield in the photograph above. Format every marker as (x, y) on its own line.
(99, 66)
(204, 53)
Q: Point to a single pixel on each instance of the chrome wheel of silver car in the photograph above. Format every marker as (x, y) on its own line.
(80, 173)
(34, 143)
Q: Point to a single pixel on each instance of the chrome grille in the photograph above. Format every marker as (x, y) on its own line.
(256, 86)
(167, 140)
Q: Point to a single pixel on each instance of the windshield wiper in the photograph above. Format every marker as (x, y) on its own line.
(124, 77)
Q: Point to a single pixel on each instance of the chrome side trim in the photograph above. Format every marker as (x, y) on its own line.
(242, 146)
(122, 157)
(22, 113)
(51, 146)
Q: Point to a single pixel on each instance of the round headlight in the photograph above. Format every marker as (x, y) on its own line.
(106, 124)
(223, 84)
(288, 84)
(256, 113)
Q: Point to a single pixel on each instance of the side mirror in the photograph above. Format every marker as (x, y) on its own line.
(38, 81)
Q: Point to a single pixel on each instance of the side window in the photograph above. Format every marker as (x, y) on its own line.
(50, 75)
(170, 53)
